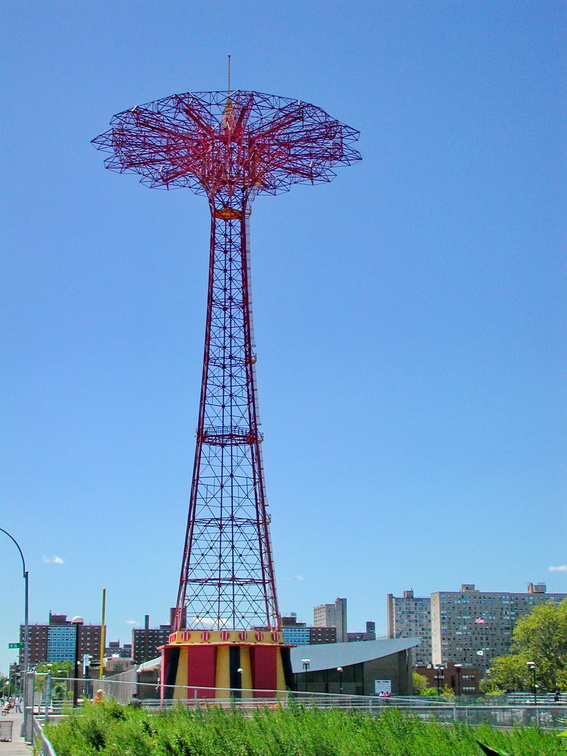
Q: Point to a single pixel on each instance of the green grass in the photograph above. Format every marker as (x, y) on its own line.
(108, 729)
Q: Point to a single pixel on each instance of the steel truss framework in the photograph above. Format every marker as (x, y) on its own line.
(229, 146)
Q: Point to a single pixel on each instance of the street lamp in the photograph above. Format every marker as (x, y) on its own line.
(532, 667)
(47, 692)
(458, 668)
(306, 663)
(26, 631)
(340, 671)
(78, 622)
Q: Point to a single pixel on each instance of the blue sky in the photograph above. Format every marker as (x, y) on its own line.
(409, 316)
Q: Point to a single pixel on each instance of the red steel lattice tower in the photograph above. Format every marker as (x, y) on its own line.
(229, 146)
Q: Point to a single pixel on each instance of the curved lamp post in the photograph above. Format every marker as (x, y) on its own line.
(26, 628)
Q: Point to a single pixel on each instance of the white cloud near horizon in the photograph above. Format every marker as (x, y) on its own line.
(55, 560)
(132, 622)
(559, 568)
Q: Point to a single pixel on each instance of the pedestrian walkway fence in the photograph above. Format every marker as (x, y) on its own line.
(54, 696)
(40, 740)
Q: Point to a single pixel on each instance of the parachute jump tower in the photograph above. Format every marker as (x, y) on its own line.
(229, 146)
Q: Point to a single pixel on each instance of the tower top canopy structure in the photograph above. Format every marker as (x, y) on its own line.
(228, 143)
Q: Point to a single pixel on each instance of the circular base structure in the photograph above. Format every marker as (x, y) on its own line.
(219, 664)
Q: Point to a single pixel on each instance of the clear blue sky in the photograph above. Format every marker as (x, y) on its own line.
(409, 316)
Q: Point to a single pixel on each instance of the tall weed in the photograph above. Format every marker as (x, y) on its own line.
(108, 729)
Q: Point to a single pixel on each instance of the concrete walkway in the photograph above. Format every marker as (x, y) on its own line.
(17, 747)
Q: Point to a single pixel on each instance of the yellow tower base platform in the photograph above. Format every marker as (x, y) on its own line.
(219, 663)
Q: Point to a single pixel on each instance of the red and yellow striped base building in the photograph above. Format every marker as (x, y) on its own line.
(214, 664)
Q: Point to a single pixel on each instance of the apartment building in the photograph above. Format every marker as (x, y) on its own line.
(471, 627)
(300, 634)
(468, 627)
(147, 640)
(333, 615)
(409, 616)
(56, 641)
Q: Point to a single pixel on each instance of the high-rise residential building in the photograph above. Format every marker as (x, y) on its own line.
(146, 640)
(299, 634)
(56, 641)
(333, 615)
(409, 616)
(471, 627)
(468, 627)
(295, 633)
(61, 641)
(37, 643)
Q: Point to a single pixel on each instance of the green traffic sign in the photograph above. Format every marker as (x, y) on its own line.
(15, 645)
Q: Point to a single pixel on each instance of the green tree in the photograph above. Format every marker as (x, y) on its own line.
(542, 635)
(57, 669)
(419, 683)
(430, 692)
(539, 637)
(509, 673)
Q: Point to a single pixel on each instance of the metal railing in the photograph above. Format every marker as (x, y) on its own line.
(54, 697)
(38, 736)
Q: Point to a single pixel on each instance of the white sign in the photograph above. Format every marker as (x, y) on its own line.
(383, 687)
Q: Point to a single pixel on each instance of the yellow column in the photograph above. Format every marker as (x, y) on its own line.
(222, 678)
(280, 673)
(246, 671)
(181, 676)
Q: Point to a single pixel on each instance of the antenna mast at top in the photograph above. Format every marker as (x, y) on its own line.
(228, 88)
